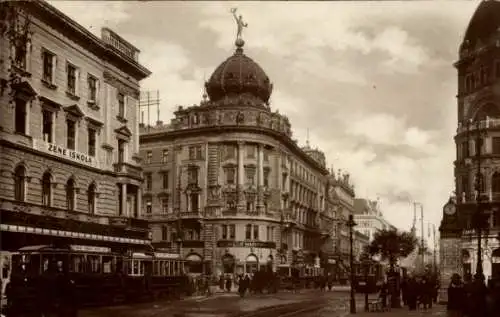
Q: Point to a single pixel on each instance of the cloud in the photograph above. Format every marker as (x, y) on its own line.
(372, 82)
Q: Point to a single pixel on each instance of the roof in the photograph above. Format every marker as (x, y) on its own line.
(484, 23)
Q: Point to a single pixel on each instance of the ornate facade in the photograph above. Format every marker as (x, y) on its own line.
(478, 119)
(227, 186)
(69, 132)
(369, 217)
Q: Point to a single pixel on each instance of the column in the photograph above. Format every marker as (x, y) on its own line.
(139, 202)
(124, 200)
(260, 177)
(241, 167)
(241, 175)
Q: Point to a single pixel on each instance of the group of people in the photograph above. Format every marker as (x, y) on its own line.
(419, 291)
(472, 297)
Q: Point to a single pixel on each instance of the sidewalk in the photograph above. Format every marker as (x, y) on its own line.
(436, 311)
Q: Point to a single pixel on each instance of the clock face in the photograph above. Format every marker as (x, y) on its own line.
(450, 209)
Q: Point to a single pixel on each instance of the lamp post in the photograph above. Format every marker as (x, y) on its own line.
(366, 267)
(478, 217)
(350, 223)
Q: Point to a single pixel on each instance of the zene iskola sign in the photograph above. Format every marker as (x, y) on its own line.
(63, 152)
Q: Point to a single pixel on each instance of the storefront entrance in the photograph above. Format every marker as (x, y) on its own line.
(228, 264)
(194, 263)
(251, 264)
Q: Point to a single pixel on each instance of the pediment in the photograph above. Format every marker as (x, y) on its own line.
(94, 122)
(74, 110)
(24, 89)
(46, 102)
(124, 131)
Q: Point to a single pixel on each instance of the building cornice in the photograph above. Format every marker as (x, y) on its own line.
(167, 136)
(58, 20)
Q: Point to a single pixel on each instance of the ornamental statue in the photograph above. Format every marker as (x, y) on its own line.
(239, 23)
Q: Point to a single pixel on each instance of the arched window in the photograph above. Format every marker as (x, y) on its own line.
(70, 194)
(481, 184)
(91, 198)
(20, 183)
(46, 189)
(495, 182)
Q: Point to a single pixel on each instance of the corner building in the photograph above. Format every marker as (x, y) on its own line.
(228, 187)
(478, 108)
(69, 134)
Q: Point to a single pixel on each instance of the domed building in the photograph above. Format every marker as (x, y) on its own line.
(228, 187)
(477, 165)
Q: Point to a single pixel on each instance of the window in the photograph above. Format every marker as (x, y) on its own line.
(250, 205)
(47, 126)
(495, 183)
(91, 193)
(49, 64)
(20, 53)
(266, 155)
(149, 181)
(251, 151)
(70, 194)
(283, 181)
(256, 232)
(266, 177)
(20, 116)
(495, 145)
(149, 207)
(164, 158)
(71, 135)
(194, 202)
(232, 232)
(165, 180)
(248, 232)
(193, 176)
(20, 183)
(195, 152)
(270, 233)
(230, 152)
(224, 232)
(149, 157)
(121, 151)
(164, 205)
(72, 80)
(231, 201)
(164, 233)
(93, 84)
(121, 105)
(46, 189)
(92, 141)
(250, 176)
(230, 175)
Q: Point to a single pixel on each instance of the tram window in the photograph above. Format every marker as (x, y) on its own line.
(93, 264)
(107, 264)
(77, 263)
(121, 266)
(169, 268)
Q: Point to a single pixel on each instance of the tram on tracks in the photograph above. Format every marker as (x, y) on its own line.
(298, 276)
(47, 278)
(368, 278)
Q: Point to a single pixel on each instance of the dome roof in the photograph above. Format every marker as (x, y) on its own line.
(484, 23)
(239, 75)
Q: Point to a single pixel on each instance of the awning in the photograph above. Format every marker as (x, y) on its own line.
(194, 258)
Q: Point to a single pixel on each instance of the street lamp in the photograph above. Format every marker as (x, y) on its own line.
(350, 223)
(478, 216)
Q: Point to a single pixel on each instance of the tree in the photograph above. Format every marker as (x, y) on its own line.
(392, 245)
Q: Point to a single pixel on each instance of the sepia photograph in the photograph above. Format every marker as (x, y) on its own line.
(249, 158)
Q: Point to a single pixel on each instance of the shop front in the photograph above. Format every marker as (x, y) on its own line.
(239, 257)
(194, 264)
(251, 263)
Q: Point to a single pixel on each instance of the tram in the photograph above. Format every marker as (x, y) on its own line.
(298, 276)
(47, 278)
(368, 278)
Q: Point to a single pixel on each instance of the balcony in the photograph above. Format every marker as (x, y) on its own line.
(470, 198)
(191, 215)
(117, 42)
(126, 169)
(483, 124)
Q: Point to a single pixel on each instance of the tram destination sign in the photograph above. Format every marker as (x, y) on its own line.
(246, 244)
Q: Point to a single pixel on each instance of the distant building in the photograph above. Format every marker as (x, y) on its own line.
(69, 133)
(478, 107)
(228, 186)
(369, 217)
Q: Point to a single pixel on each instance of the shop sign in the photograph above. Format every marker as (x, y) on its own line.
(63, 152)
(246, 244)
(332, 261)
(164, 255)
(92, 249)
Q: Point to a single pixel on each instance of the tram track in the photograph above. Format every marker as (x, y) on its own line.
(286, 310)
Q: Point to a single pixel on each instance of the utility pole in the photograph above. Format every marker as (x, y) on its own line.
(422, 234)
(435, 247)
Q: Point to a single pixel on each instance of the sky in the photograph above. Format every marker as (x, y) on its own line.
(373, 82)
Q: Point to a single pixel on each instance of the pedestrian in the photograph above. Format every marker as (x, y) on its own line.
(221, 282)
(425, 293)
(228, 283)
(404, 290)
(412, 293)
(456, 297)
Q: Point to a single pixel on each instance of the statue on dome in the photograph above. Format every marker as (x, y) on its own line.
(239, 23)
